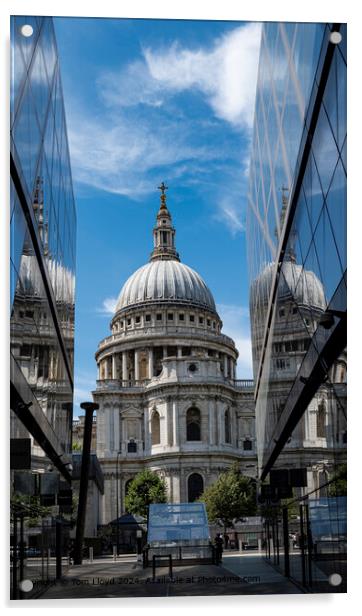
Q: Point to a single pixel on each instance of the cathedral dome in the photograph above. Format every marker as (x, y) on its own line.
(165, 281)
(295, 283)
(165, 278)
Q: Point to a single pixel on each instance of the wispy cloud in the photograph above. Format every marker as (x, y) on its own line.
(230, 214)
(85, 383)
(142, 131)
(225, 75)
(236, 324)
(124, 155)
(108, 307)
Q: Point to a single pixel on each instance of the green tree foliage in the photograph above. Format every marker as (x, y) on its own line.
(146, 488)
(338, 487)
(230, 498)
(76, 446)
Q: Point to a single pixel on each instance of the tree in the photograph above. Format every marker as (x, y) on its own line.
(230, 498)
(146, 488)
(338, 487)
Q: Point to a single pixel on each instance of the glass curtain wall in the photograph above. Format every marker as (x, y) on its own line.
(297, 265)
(42, 279)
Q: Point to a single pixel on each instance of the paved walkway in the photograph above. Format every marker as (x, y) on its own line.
(253, 565)
(239, 575)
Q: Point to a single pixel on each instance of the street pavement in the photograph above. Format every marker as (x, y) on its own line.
(239, 575)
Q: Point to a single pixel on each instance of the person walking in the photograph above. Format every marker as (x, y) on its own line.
(218, 548)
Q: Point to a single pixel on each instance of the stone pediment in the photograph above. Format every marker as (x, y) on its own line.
(131, 413)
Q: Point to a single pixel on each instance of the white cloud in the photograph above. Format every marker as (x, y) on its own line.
(226, 75)
(121, 155)
(230, 214)
(108, 307)
(85, 383)
(236, 324)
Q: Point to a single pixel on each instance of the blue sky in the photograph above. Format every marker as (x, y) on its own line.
(147, 101)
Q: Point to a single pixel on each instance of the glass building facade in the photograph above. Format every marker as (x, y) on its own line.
(296, 229)
(42, 276)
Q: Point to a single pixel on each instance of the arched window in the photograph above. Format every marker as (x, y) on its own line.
(227, 426)
(321, 420)
(193, 424)
(155, 428)
(195, 487)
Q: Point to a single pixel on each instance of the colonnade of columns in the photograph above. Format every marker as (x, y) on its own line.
(108, 368)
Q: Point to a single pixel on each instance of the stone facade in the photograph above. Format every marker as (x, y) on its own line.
(167, 393)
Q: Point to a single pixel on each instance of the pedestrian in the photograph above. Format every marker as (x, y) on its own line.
(226, 539)
(218, 548)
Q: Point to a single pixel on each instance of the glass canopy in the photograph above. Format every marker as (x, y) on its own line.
(184, 521)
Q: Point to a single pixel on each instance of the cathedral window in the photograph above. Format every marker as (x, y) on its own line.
(192, 318)
(193, 424)
(121, 324)
(321, 420)
(195, 487)
(201, 320)
(181, 317)
(138, 319)
(170, 316)
(132, 446)
(148, 318)
(281, 312)
(155, 428)
(227, 426)
(213, 325)
(247, 445)
(159, 316)
(208, 322)
(129, 321)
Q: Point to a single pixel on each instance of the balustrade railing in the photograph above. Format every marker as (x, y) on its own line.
(132, 384)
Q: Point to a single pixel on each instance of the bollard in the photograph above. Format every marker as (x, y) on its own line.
(114, 552)
(90, 554)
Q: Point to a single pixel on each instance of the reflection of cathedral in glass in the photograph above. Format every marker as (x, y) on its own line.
(167, 389)
(296, 230)
(43, 226)
(300, 303)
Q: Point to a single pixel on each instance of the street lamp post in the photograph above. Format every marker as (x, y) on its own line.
(117, 499)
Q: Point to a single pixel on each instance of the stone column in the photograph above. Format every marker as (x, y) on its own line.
(150, 363)
(146, 429)
(179, 351)
(106, 368)
(219, 425)
(116, 429)
(136, 366)
(164, 351)
(124, 366)
(225, 366)
(114, 366)
(106, 428)
(212, 409)
(99, 370)
(175, 425)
